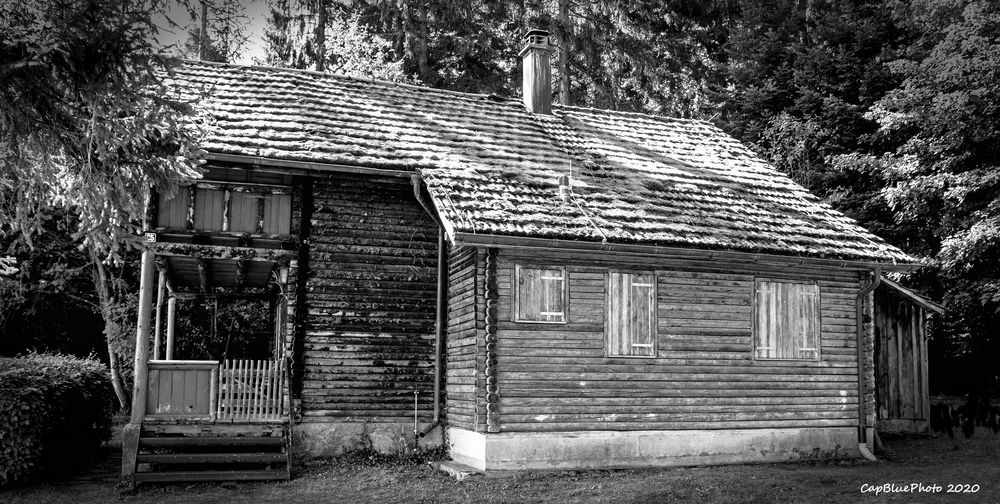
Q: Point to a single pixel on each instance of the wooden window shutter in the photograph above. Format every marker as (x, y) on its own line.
(631, 323)
(541, 294)
(787, 320)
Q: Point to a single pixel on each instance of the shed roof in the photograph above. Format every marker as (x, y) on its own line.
(913, 297)
(491, 167)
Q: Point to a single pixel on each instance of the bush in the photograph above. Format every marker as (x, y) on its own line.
(55, 411)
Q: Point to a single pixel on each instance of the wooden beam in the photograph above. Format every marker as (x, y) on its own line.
(241, 273)
(158, 330)
(913, 297)
(261, 203)
(203, 274)
(151, 219)
(628, 249)
(224, 252)
(139, 371)
(163, 266)
(227, 210)
(192, 192)
(171, 326)
(222, 295)
(249, 187)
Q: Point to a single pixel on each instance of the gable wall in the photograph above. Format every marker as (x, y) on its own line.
(556, 377)
(370, 300)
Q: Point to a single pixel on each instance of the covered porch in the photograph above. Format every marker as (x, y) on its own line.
(225, 417)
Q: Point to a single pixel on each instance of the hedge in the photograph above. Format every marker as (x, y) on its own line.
(55, 411)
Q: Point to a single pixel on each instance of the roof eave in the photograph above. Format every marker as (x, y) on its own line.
(915, 298)
(503, 241)
(309, 166)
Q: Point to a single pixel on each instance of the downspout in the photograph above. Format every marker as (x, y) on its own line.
(440, 322)
(859, 316)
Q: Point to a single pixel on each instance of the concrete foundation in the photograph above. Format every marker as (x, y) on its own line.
(315, 439)
(613, 449)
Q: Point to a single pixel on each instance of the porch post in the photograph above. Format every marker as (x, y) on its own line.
(158, 328)
(171, 321)
(142, 336)
(130, 433)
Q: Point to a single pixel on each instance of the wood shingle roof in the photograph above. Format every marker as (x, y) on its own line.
(491, 167)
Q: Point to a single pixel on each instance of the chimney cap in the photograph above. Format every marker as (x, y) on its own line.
(536, 31)
(536, 38)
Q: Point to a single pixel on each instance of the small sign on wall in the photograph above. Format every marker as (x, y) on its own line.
(149, 237)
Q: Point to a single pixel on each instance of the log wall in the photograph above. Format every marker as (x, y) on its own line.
(556, 377)
(368, 335)
(463, 348)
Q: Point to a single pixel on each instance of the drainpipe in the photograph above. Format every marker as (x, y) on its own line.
(862, 433)
(442, 313)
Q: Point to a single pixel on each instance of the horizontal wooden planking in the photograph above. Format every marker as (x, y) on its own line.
(568, 403)
(374, 416)
(620, 370)
(594, 395)
(718, 411)
(704, 351)
(371, 303)
(624, 379)
(462, 345)
(643, 417)
(570, 426)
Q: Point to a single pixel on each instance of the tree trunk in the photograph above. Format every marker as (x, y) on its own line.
(564, 52)
(104, 297)
(203, 36)
(320, 33)
(425, 72)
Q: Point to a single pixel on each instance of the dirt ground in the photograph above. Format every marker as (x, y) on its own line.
(932, 462)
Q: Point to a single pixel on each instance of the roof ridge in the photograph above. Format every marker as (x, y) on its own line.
(633, 114)
(317, 73)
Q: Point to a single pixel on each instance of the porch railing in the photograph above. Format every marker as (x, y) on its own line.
(251, 390)
(233, 391)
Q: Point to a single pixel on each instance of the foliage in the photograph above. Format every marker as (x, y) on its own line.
(55, 411)
(225, 31)
(944, 178)
(85, 121)
(351, 48)
(48, 303)
(242, 329)
(649, 56)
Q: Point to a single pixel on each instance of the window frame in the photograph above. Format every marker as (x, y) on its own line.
(754, 331)
(654, 309)
(516, 297)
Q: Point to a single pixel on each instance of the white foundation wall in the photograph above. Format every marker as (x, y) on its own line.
(614, 449)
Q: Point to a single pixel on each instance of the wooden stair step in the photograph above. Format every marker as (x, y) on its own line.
(210, 441)
(167, 477)
(211, 458)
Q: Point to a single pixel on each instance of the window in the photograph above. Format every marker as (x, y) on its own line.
(631, 315)
(541, 294)
(786, 320)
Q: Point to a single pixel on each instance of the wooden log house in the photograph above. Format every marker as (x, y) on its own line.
(536, 285)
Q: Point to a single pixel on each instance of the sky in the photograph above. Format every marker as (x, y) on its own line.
(256, 12)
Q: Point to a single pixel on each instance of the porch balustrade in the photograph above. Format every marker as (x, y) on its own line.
(236, 391)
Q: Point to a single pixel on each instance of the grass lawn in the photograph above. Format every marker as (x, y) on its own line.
(929, 461)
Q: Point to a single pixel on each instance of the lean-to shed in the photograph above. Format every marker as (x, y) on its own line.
(902, 327)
